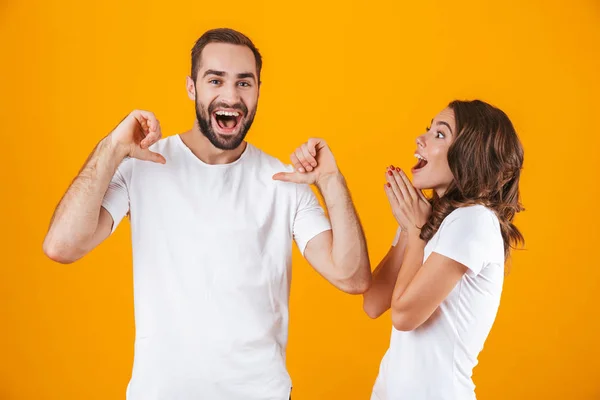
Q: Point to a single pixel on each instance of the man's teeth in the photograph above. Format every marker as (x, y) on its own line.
(228, 113)
(420, 157)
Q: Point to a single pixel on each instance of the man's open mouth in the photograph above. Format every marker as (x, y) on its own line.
(227, 120)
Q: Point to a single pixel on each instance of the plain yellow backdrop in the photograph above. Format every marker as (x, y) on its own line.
(366, 75)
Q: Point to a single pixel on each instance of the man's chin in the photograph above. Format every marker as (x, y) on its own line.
(227, 135)
(227, 141)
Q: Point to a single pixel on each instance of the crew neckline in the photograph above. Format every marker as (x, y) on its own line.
(198, 160)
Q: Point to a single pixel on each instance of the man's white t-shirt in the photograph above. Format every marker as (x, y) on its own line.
(436, 360)
(212, 248)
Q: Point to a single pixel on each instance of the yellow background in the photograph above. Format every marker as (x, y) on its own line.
(366, 75)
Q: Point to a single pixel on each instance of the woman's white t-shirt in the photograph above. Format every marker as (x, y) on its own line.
(436, 360)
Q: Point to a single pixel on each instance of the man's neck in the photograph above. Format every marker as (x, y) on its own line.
(206, 151)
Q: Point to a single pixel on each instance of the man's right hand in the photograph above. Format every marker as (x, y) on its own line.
(138, 131)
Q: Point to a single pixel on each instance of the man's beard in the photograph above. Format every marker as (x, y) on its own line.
(221, 141)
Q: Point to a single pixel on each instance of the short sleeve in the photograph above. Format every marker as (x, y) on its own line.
(469, 236)
(116, 198)
(310, 218)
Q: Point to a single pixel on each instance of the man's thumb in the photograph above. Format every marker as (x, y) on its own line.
(287, 177)
(148, 155)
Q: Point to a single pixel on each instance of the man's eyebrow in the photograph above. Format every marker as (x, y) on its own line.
(214, 72)
(244, 75)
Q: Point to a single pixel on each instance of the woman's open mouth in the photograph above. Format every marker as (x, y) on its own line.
(422, 162)
(227, 120)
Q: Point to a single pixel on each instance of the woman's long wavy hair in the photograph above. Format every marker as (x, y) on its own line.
(486, 159)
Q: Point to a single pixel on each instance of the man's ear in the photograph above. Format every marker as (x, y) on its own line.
(190, 86)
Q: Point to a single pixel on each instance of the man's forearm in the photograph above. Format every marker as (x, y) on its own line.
(349, 249)
(76, 216)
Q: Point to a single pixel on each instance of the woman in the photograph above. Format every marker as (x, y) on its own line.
(443, 276)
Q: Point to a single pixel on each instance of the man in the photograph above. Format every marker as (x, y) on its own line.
(212, 221)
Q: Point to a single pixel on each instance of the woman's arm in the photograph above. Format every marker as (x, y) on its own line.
(378, 298)
(421, 288)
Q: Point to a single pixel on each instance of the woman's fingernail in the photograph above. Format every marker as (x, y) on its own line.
(398, 169)
(389, 184)
(390, 172)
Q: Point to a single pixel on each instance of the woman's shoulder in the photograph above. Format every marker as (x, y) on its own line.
(478, 215)
(474, 211)
(476, 230)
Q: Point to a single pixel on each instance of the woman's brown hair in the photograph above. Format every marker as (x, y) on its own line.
(486, 159)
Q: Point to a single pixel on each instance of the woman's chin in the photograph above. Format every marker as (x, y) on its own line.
(420, 185)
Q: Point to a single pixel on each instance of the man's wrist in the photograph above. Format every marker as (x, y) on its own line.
(115, 151)
(326, 179)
